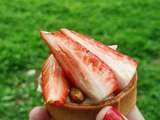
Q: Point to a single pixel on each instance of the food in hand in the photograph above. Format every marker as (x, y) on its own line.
(54, 85)
(123, 66)
(93, 69)
(86, 70)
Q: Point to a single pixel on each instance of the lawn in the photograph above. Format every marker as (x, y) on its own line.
(133, 24)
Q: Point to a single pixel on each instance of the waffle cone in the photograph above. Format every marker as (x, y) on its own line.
(124, 102)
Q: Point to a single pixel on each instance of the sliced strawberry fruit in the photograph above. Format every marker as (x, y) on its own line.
(111, 46)
(53, 83)
(86, 70)
(123, 66)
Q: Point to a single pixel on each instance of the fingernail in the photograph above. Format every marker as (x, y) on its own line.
(110, 113)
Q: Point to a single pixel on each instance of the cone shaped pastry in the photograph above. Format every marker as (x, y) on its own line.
(124, 102)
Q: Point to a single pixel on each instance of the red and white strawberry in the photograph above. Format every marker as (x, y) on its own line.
(40, 76)
(53, 83)
(123, 66)
(86, 70)
(111, 46)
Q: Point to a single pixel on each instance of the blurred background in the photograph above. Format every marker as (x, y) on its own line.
(132, 24)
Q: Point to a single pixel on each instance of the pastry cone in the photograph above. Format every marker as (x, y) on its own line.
(124, 102)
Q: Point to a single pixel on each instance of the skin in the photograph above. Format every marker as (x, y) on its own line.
(40, 113)
(135, 114)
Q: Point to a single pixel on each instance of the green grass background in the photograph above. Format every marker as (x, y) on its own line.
(132, 24)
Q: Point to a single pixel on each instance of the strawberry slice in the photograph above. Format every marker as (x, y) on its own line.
(123, 66)
(39, 78)
(54, 86)
(111, 46)
(85, 70)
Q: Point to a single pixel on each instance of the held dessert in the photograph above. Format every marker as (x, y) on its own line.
(83, 75)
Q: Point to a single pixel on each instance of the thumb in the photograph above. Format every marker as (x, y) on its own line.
(39, 113)
(110, 113)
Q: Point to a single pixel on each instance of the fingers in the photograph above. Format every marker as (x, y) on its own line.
(110, 113)
(107, 113)
(135, 114)
(39, 113)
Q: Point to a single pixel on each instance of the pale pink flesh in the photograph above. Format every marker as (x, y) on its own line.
(123, 66)
(111, 46)
(54, 85)
(39, 87)
(86, 70)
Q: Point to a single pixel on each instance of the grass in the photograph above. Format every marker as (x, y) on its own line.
(134, 25)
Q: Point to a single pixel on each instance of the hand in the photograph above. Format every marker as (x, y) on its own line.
(40, 113)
